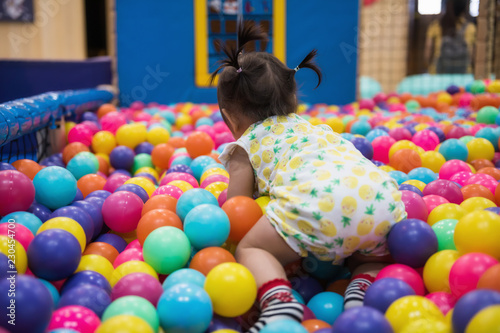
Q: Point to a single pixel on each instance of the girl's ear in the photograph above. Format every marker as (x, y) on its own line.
(228, 120)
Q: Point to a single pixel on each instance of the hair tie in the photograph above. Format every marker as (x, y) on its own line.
(296, 68)
(239, 70)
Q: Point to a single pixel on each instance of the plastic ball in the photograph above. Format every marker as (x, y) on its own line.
(478, 231)
(185, 275)
(470, 304)
(423, 174)
(131, 135)
(28, 220)
(405, 274)
(432, 160)
(54, 254)
(437, 270)
(446, 211)
(361, 319)
(454, 149)
(86, 278)
(484, 180)
(193, 198)
(78, 215)
(83, 164)
(446, 189)
(411, 308)
(122, 210)
(364, 146)
(243, 213)
(145, 183)
(382, 293)
(55, 187)
(199, 143)
(135, 306)
(206, 225)
(28, 167)
(80, 133)
(66, 224)
(433, 201)
(326, 306)
(313, 325)
(96, 263)
(122, 157)
(445, 231)
(132, 254)
(130, 267)
(166, 249)
(444, 300)
(155, 219)
(476, 190)
(415, 205)
(452, 167)
(40, 211)
(138, 284)
(18, 232)
(399, 176)
(381, 146)
(125, 323)
(103, 142)
(480, 148)
(89, 296)
(208, 258)
(487, 115)
(157, 135)
(490, 279)
(405, 160)
(426, 139)
(485, 321)
(75, 317)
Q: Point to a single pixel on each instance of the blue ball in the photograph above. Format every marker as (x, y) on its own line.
(114, 240)
(200, 163)
(184, 275)
(82, 164)
(454, 149)
(439, 132)
(383, 292)
(375, 133)
(495, 210)
(347, 136)
(55, 187)
(168, 116)
(87, 295)
(4, 266)
(216, 165)
(98, 194)
(489, 134)
(86, 278)
(204, 121)
(408, 187)
(53, 292)
(180, 168)
(28, 220)
(411, 242)
(327, 306)
(306, 286)
(361, 127)
(122, 157)
(399, 176)
(6, 166)
(144, 148)
(298, 297)
(54, 254)
(206, 225)
(423, 174)
(470, 304)
(185, 308)
(364, 146)
(362, 319)
(80, 216)
(33, 305)
(193, 198)
(94, 210)
(280, 326)
(136, 189)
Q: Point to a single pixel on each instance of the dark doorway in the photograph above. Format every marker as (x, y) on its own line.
(95, 19)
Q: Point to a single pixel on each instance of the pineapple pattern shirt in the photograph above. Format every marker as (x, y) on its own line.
(326, 198)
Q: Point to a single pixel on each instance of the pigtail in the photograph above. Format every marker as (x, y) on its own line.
(308, 62)
(246, 33)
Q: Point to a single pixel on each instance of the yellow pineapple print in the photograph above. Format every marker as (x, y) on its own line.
(282, 119)
(256, 161)
(333, 152)
(370, 244)
(321, 132)
(268, 141)
(248, 130)
(382, 229)
(366, 224)
(267, 173)
(342, 149)
(322, 143)
(322, 175)
(326, 203)
(366, 193)
(351, 158)
(301, 128)
(280, 213)
(289, 188)
(282, 164)
(291, 140)
(349, 206)
(262, 183)
(305, 227)
(254, 146)
(290, 215)
(296, 162)
(375, 177)
(350, 182)
(305, 187)
(320, 251)
(396, 195)
(327, 228)
(287, 228)
(267, 156)
(318, 163)
(332, 138)
(268, 122)
(278, 180)
(358, 171)
(277, 129)
(351, 244)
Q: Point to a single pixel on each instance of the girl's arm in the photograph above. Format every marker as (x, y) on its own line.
(241, 177)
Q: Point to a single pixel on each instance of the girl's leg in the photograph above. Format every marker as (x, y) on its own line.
(264, 253)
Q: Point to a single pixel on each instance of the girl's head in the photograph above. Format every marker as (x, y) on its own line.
(256, 85)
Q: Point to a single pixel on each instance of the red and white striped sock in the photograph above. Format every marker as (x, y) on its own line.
(355, 292)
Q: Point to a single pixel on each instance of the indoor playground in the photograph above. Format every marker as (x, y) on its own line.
(272, 166)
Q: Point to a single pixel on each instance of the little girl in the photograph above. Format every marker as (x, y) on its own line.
(326, 198)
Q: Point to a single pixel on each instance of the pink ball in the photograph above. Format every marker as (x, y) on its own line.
(171, 190)
(207, 129)
(444, 301)
(446, 189)
(465, 100)
(138, 284)
(17, 192)
(474, 129)
(220, 127)
(142, 116)
(380, 97)
(91, 125)
(122, 210)
(381, 147)
(403, 273)
(457, 132)
(80, 133)
(400, 133)
(222, 197)
(170, 177)
(451, 167)
(397, 107)
(21, 234)
(128, 255)
(466, 271)
(496, 157)
(75, 317)
(214, 178)
(483, 179)
(137, 105)
(415, 206)
(308, 314)
(133, 245)
(114, 181)
(112, 121)
(187, 128)
(366, 104)
(461, 177)
(432, 201)
(426, 139)
(221, 138)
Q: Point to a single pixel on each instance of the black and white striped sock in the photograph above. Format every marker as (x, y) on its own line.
(277, 303)
(355, 292)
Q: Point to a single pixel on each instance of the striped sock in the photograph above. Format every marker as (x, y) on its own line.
(277, 303)
(355, 292)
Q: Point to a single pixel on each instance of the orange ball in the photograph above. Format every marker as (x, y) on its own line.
(160, 155)
(313, 325)
(497, 194)
(199, 143)
(492, 171)
(90, 183)
(405, 160)
(476, 190)
(206, 259)
(161, 201)
(490, 279)
(243, 213)
(177, 142)
(481, 163)
(102, 249)
(155, 219)
(72, 149)
(105, 109)
(28, 167)
(338, 286)
(103, 165)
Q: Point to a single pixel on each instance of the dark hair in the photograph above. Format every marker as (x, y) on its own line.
(257, 84)
(454, 9)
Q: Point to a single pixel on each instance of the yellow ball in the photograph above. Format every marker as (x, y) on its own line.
(446, 211)
(131, 135)
(103, 142)
(232, 289)
(472, 169)
(104, 156)
(216, 188)
(494, 87)
(182, 120)
(408, 309)
(145, 183)
(417, 183)
(437, 270)
(480, 148)
(478, 231)
(263, 202)
(157, 135)
(476, 203)
(444, 98)
(402, 144)
(68, 126)
(315, 121)
(426, 326)
(148, 170)
(420, 127)
(448, 317)
(393, 100)
(214, 171)
(96, 263)
(183, 185)
(386, 168)
(432, 160)
(15, 252)
(336, 124)
(485, 321)
(67, 224)
(129, 267)
(124, 324)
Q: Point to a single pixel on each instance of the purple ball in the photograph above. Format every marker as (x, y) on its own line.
(136, 189)
(86, 277)
(180, 168)
(446, 189)
(4, 266)
(144, 148)
(114, 240)
(495, 210)
(6, 166)
(439, 132)
(408, 187)
(98, 194)
(411, 242)
(364, 146)
(361, 319)
(306, 286)
(452, 90)
(87, 295)
(78, 195)
(40, 211)
(122, 157)
(219, 323)
(90, 116)
(377, 163)
(147, 175)
(80, 216)
(121, 171)
(470, 304)
(96, 200)
(95, 213)
(383, 292)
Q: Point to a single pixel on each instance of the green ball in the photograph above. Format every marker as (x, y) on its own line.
(478, 87)
(141, 161)
(135, 306)
(466, 139)
(166, 249)
(444, 230)
(347, 119)
(412, 105)
(487, 115)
